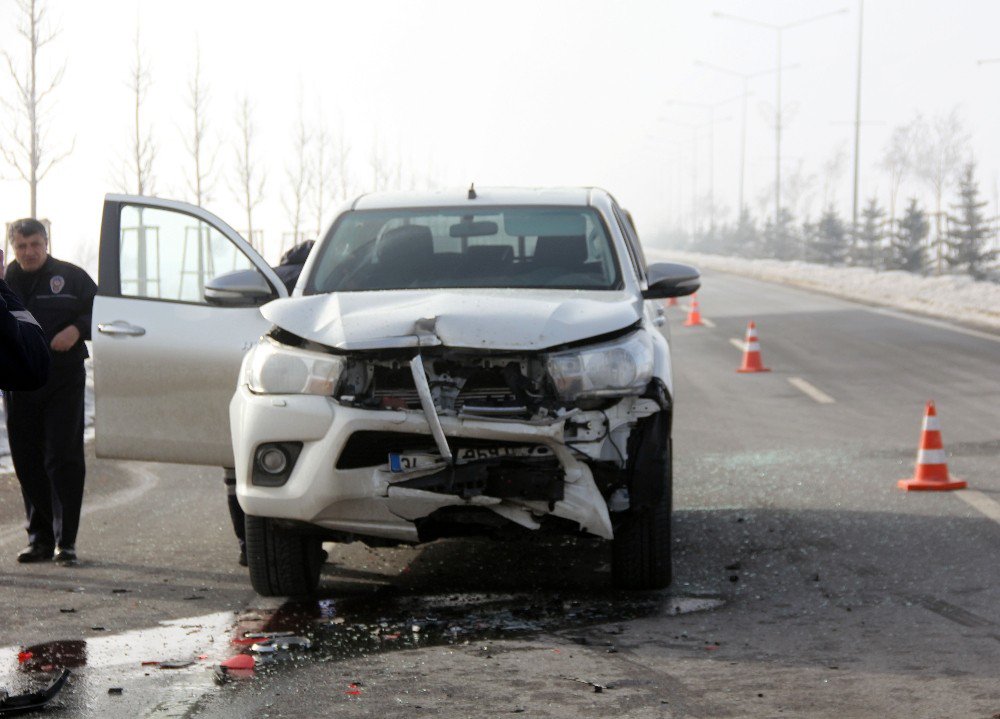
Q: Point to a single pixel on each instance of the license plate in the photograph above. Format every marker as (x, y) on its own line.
(418, 461)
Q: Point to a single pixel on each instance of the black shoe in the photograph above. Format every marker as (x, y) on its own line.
(35, 553)
(243, 558)
(66, 555)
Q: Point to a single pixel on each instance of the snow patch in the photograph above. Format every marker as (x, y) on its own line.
(953, 297)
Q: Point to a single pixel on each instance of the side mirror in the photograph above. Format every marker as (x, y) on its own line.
(669, 279)
(242, 288)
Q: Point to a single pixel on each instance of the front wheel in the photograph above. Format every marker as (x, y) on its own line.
(282, 562)
(640, 550)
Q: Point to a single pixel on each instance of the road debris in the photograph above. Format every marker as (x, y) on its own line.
(9, 706)
(598, 688)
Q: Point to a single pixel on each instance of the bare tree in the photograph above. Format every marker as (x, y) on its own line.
(298, 176)
(898, 160)
(138, 170)
(201, 181)
(382, 168)
(943, 148)
(28, 135)
(326, 168)
(342, 152)
(250, 181)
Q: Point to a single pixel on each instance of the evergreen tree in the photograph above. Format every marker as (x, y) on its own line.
(966, 241)
(826, 241)
(908, 246)
(744, 239)
(869, 236)
(779, 240)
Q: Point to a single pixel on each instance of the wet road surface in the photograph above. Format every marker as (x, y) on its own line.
(806, 583)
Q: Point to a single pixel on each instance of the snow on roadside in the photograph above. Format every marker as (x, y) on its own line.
(954, 297)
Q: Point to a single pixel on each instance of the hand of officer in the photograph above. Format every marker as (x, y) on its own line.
(65, 339)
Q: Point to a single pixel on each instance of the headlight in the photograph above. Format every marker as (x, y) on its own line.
(273, 368)
(620, 367)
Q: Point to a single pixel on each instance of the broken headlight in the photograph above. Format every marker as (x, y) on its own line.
(273, 368)
(623, 366)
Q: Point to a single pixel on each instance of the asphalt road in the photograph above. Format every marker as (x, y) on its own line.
(806, 582)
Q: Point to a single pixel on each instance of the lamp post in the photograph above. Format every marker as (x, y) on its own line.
(710, 124)
(746, 77)
(778, 30)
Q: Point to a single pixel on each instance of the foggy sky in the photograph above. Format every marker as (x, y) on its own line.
(511, 93)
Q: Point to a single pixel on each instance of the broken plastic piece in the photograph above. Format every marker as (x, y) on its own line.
(115, 691)
(24, 657)
(281, 644)
(175, 664)
(240, 661)
(36, 700)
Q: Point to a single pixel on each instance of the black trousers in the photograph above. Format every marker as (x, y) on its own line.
(45, 429)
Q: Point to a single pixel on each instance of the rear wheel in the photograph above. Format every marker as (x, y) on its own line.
(282, 562)
(640, 550)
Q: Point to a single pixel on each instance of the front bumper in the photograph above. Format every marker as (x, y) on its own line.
(366, 500)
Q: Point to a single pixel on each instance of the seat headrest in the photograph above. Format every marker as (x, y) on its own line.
(490, 254)
(401, 244)
(566, 250)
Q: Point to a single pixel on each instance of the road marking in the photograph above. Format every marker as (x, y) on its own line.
(980, 502)
(935, 323)
(738, 344)
(707, 322)
(817, 394)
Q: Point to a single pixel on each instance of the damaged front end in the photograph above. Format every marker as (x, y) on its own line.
(563, 440)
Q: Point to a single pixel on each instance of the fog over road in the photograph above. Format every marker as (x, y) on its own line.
(822, 589)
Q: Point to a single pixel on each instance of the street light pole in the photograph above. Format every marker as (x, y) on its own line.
(857, 121)
(745, 77)
(710, 106)
(778, 30)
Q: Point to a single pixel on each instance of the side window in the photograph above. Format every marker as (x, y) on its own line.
(169, 255)
(631, 242)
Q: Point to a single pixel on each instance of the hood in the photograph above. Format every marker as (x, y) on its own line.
(477, 319)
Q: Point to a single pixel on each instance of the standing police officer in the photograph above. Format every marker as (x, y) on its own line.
(45, 426)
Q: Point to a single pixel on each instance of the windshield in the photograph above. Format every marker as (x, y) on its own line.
(539, 247)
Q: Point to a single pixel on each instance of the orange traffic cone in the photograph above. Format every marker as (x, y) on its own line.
(672, 302)
(932, 469)
(694, 315)
(751, 352)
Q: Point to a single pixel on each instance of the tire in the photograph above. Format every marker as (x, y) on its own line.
(282, 562)
(640, 550)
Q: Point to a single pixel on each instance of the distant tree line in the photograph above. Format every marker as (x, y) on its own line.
(926, 160)
(878, 242)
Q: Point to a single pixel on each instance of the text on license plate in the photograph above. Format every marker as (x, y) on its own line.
(414, 461)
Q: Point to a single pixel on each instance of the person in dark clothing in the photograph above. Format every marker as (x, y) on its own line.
(288, 271)
(24, 353)
(45, 426)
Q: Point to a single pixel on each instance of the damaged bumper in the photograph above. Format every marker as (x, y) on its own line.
(379, 472)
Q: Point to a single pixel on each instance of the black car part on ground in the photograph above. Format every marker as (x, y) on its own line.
(22, 703)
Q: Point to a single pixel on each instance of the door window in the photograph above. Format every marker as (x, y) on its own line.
(170, 255)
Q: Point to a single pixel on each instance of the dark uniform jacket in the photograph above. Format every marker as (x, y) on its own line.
(59, 294)
(24, 351)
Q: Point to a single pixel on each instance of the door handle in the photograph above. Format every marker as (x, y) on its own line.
(121, 328)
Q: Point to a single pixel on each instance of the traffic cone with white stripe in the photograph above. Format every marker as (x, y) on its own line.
(751, 352)
(671, 302)
(932, 467)
(694, 314)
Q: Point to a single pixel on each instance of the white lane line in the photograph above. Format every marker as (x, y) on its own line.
(707, 322)
(935, 323)
(817, 394)
(738, 344)
(981, 503)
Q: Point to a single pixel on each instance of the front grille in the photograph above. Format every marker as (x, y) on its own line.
(368, 448)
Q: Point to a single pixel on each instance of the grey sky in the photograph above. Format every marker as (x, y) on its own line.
(514, 93)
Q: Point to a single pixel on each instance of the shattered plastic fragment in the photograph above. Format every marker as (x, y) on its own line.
(240, 661)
